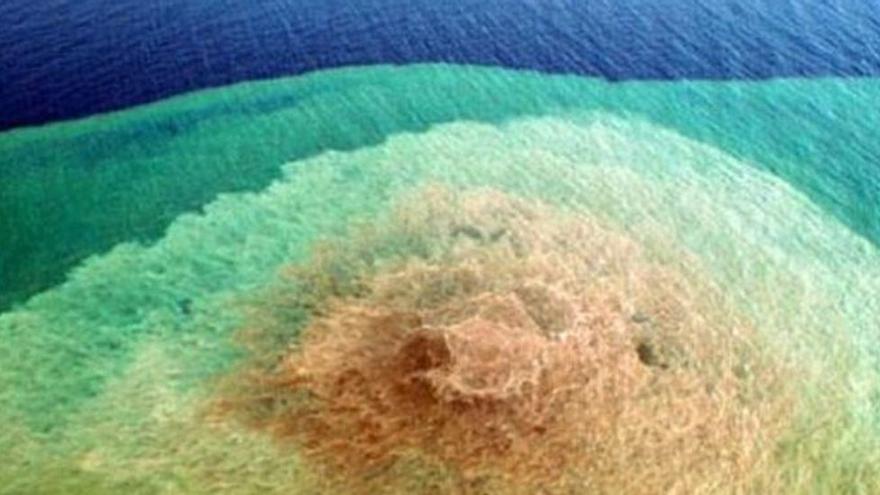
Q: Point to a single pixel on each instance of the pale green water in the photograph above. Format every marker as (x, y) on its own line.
(101, 377)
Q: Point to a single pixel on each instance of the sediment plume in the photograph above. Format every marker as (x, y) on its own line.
(496, 344)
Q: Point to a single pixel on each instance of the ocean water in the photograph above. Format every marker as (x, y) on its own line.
(62, 59)
(177, 155)
(182, 282)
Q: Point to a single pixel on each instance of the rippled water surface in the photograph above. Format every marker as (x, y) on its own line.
(440, 277)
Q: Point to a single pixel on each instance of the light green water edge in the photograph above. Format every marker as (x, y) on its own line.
(101, 377)
(66, 189)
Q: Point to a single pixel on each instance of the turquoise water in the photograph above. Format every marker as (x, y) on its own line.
(133, 242)
(177, 155)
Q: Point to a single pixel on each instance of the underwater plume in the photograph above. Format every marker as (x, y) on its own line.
(519, 347)
(536, 282)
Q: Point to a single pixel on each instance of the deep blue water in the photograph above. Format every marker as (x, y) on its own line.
(62, 59)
